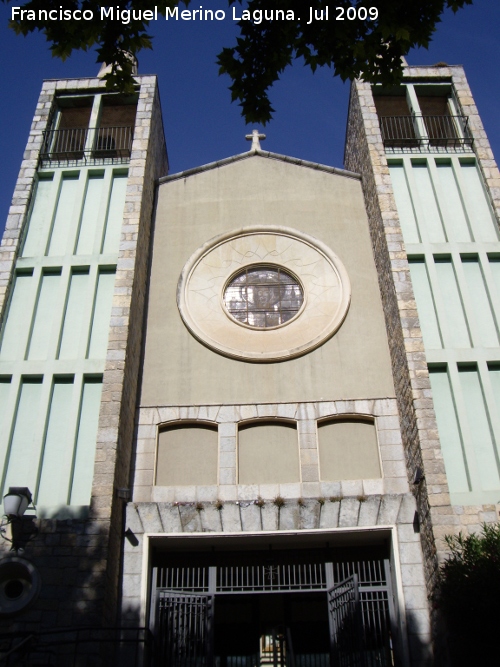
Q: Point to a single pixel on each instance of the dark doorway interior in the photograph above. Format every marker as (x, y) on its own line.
(280, 629)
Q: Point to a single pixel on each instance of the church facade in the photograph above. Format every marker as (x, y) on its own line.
(240, 446)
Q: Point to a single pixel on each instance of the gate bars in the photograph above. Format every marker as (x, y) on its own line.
(359, 596)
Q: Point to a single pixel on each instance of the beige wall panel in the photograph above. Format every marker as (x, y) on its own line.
(268, 454)
(348, 450)
(178, 369)
(187, 456)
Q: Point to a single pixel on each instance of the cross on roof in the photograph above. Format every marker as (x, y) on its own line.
(255, 138)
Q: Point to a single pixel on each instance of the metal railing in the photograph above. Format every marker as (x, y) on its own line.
(87, 143)
(280, 577)
(267, 578)
(426, 132)
(75, 647)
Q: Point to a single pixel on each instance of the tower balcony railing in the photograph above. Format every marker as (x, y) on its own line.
(87, 144)
(426, 133)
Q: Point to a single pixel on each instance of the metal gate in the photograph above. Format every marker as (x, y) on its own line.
(345, 624)
(360, 609)
(360, 627)
(185, 630)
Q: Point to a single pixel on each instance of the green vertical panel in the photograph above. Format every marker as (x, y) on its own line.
(453, 309)
(58, 448)
(86, 443)
(458, 230)
(90, 215)
(425, 304)
(44, 317)
(115, 214)
(63, 216)
(449, 431)
(404, 203)
(73, 326)
(494, 375)
(483, 223)
(38, 227)
(16, 328)
(101, 316)
(480, 431)
(428, 206)
(495, 271)
(5, 385)
(21, 453)
(486, 327)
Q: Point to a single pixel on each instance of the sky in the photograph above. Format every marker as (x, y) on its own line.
(202, 125)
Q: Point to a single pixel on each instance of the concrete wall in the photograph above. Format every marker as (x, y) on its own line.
(179, 370)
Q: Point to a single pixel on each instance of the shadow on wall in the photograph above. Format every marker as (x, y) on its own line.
(419, 642)
(62, 624)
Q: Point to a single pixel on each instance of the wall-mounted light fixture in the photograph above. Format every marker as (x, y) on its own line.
(418, 476)
(12, 527)
(16, 502)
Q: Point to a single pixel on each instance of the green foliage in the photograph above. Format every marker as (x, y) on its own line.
(469, 595)
(370, 49)
(366, 49)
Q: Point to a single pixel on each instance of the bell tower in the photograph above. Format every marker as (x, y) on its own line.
(73, 268)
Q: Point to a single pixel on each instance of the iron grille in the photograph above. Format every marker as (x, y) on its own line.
(369, 572)
(312, 660)
(360, 625)
(87, 144)
(343, 607)
(188, 579)
(267, 578)
(436, 132)
(360, 605)
(186, 628)
(376, 624)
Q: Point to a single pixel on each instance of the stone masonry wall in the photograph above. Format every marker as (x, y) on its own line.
(119, 395)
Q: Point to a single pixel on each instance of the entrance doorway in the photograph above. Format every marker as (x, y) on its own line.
(277, 630)
(292, 610)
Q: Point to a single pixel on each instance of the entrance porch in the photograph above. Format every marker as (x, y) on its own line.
(311, 605)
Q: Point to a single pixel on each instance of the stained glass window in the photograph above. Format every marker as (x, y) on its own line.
(263, 296)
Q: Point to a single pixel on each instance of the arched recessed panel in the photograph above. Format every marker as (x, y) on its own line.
(268, 453)
(348, 449)
(187, 456)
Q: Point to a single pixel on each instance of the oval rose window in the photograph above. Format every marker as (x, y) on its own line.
(263, 296)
